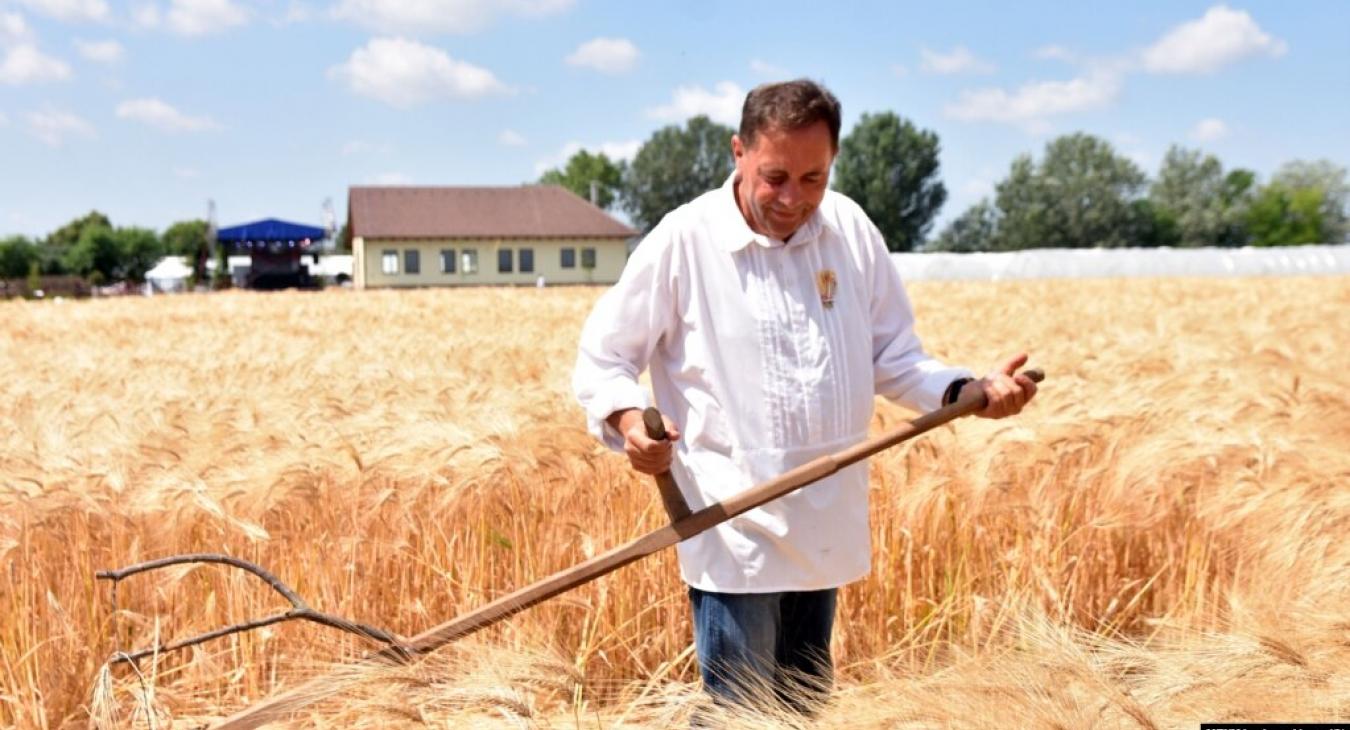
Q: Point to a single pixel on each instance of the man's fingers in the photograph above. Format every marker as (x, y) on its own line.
(1011, 365)
(645, 454)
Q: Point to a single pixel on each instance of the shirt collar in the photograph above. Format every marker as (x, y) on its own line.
(734, 233)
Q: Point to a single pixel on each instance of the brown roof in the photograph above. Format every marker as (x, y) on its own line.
(525, 211)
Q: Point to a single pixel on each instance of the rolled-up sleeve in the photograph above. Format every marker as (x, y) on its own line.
(902, 371)
(620, 336)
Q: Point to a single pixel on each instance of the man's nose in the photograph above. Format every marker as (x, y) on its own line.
(789, 194)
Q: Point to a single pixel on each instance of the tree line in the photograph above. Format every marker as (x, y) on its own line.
(90, 247)
(1081, 193)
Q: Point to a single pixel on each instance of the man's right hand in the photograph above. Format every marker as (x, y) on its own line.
(646, 455)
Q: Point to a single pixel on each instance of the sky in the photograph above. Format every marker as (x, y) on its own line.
(148, 109)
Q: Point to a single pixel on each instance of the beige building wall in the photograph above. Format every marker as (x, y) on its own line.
(610, 256)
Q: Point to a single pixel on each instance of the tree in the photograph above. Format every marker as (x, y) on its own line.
(18, 256)
(94, 256)
(104, 255)
(54, 249)
(139, 249)
(1205, 206)
(675, 166)
(1281, 215)
(189, 239)
(1330, 179)
(890, 168)
(973, 230)
(1080, 196)
(584, 168)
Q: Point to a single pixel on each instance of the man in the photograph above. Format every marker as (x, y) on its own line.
(770, 315)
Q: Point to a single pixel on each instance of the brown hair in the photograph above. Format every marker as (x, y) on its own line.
(788, 105)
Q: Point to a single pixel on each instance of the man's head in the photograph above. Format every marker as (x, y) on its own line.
(788, 138)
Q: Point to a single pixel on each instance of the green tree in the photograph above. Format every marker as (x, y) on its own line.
(581, 170)
(105, 255)
(18, 256)
(973, 230)
(189, 239)
(1330, 179)
(139, 250)
(94, 255)
(890, 168)
(1281, 215)
(1207, 207)
(675, 166)
(55, 247)
(1080, 195)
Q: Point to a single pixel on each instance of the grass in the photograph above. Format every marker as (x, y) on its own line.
(1155, 542)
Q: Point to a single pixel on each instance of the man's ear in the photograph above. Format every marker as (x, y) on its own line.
(737, 147)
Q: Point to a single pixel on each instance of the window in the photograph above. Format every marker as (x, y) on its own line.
(569, 258)
(469, 257)
(588, 258)
(389, 261)
(503, 260)
(447, 261)
(412, 261)
(526, 260)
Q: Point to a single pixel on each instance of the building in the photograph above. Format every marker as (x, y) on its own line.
(462, 236)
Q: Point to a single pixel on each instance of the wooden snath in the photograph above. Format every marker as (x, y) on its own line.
(683, 525)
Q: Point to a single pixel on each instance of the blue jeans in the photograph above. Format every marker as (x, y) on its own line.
(758, 647)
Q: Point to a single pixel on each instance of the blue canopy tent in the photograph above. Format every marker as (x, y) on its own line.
(274, 248)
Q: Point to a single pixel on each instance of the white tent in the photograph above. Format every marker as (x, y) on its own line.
(171, 274)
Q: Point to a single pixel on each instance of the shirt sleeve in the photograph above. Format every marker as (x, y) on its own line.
(902, 371)
(620, 335)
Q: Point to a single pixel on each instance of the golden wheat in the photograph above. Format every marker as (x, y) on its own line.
(1155, 542)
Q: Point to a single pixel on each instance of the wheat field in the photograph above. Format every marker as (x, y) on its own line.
(1157, 541)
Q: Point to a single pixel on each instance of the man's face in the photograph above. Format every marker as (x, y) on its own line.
(783, 177)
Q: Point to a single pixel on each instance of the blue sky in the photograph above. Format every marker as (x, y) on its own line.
(146, 109)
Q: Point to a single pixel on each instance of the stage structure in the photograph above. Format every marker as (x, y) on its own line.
(275, 249)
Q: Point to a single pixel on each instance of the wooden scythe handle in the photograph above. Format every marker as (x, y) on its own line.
(676, 508)
(285, 704)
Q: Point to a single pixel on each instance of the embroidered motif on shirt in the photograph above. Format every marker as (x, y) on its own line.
(826, 283)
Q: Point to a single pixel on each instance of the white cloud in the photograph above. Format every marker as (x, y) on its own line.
(721, 105)
(439, 16)
(161, 115)
(69, 10)
(54, 127)
(1222, 36)
(899, 71)
(606, 55)
(615, 151)
(764, 68)
(511, 138)
(1209, 130)
(1031, 105)
(100, 51)
(1055, 53)
(146, 15)
(958, 60)
(296, 12)
(13, 28)
(402, 73)
(202, 17)
(25, 64)
(391, 178)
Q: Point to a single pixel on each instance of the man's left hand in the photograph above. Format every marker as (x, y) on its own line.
(1008, 391)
